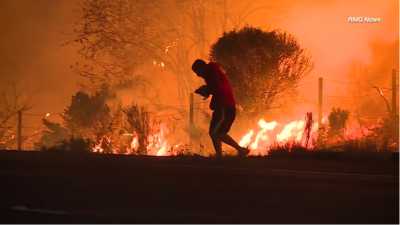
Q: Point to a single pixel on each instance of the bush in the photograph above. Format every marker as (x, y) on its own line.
(354, 150)
(337, 123)
(73, 145)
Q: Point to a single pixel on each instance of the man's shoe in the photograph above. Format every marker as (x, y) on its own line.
(243, 152)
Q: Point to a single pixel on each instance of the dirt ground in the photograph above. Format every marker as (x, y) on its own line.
(40, 187)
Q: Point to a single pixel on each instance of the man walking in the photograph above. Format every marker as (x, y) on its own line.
(222, 103)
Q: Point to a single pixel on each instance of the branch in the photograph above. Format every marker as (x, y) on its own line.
(380, 92)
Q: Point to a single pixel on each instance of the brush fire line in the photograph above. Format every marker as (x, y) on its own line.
(259, 140)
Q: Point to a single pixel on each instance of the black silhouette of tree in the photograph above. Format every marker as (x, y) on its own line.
(12, 100)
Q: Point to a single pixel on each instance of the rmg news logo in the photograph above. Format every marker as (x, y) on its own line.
(363, 19)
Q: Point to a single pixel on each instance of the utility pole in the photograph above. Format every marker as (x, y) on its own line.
(320, 89)
(394, 93)
(19, 131)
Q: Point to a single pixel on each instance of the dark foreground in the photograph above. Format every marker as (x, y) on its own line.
(64, 188)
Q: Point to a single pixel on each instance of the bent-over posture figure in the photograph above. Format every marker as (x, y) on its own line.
(222, 103)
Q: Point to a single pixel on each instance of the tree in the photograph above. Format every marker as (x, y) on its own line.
(115, 37)
(12, 100)
(262, 65)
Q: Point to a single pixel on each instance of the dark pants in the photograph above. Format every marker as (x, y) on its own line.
(221, 120)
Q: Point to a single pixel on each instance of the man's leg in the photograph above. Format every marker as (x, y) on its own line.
(228, 118)
(217, 145)
(230, 141)
(215, 123)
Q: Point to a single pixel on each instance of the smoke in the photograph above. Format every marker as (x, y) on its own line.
(333, 41)
(31, 50)
(337, 47)
(33, 60)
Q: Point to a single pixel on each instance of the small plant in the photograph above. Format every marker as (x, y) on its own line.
(322, 138)
(337, 123)
(386, 134)
(139, 122)
(287, 150)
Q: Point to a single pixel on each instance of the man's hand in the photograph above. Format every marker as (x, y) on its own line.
(203, 91)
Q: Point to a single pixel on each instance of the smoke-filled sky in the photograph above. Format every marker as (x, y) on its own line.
(33, 32)
(32, 52)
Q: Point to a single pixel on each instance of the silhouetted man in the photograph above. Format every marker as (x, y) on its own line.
(222, 103)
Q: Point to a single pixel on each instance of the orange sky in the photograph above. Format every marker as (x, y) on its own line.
(335, 44)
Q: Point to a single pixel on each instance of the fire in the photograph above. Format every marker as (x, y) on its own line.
(246, 139)
(273, 133)
(102, 144)
(157, 144)
(259, 140)
(262, 139)
(291, 131)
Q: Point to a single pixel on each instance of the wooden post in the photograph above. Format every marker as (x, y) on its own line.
(394, 93)
(191, 110)
(320, 95)
(191, 118)
(19, 131)
(395, 109)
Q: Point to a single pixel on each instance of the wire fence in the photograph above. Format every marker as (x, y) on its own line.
(180, 112)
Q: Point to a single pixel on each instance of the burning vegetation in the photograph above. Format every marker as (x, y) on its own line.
(135, 92)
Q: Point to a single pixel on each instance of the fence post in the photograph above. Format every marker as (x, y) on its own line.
(394, 93)
(19, 131)
(191, 118)
(320, 95)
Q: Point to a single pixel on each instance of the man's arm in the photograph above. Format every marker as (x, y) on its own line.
(211, 83)
(211, 86)
(203, 91)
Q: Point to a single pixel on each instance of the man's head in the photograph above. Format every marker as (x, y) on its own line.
(199, 67)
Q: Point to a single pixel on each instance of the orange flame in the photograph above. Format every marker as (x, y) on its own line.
(157, 144)
(274, 133)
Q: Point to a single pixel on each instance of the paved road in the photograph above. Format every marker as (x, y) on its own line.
(59, 188)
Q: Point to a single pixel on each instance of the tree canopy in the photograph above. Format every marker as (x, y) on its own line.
(261, 65)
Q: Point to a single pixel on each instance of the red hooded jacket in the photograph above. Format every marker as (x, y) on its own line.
(219, 86)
